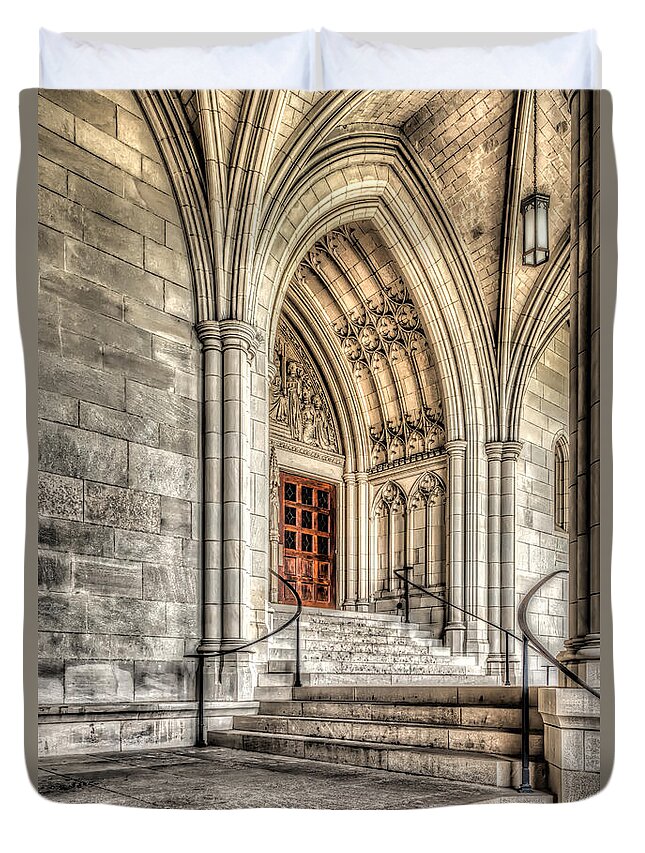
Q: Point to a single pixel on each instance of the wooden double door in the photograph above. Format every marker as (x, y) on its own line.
(308, 536)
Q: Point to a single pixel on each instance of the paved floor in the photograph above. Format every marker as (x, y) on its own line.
(218, 778)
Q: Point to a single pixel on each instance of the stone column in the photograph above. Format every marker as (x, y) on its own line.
(209, 335)
(456, 627)
(239, 343)
(362, 487)
(510, 452)
(350, 591)
(495, 655)
(582, 649)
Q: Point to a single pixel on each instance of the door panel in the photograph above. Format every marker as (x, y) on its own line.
(308, 536)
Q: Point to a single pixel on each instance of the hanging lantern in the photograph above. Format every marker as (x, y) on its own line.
(535, 213)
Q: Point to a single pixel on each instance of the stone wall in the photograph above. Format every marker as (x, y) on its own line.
(541, 547)
(119, 431)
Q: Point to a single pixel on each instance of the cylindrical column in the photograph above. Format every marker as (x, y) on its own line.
(239, 343)
(510, 452)
(456, 628)
(582, 649)
(209, 335)
(362, 487)
(494, 453)
(350, 543)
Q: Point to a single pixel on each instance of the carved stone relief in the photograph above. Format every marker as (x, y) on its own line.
(299, 406)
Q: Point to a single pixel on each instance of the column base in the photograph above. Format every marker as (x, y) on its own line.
(571, 741)
(583, 657)
(456, 637)
(496, 665)
(363, 605)
(231, 678)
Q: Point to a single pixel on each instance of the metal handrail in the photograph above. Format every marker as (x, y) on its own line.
(402, 574)
(200, 655)
(527, 639)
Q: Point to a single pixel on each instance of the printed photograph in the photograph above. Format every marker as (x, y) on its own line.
(319, 448)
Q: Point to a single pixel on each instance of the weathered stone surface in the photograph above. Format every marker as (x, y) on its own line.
(81, 162)
(59, 213)
(169, 583)
(59, 612)
(75, 536)
(115, 207)
(159, 405)
(51, 676)
(55, 118)
(106, 269)
(157, 322)
(75, 645)
(133, 131)
(60, 497)
(147, 547)
(178, 300)
(180, 356)
(106, 146)
(80, 348)
(80, 293)
(100, 681)
(119, 424)
(54, 571)
(57, 407)
(162, 472)
(87, 103)
(163, 262)
(78, 738)
(138, 734)
(52, 176)
(143, 370)
(125, 508)
(139, 648)
(113, 238)
(150, 199)
(177, 440)
(98, 576)
(127, 616)
(77, 380)
(78, 453)
(176, 516)
(51, 249)
(166, 680)
(182, 620)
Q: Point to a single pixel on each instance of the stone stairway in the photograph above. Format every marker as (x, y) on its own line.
(459, 733)
(345, 647)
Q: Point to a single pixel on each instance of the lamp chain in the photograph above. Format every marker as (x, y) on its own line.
(535, 141)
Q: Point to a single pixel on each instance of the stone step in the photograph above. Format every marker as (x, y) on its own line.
(462, 738)
(275, 679)
(271, 692)
(482, 693)
(328, 646)
(464, 766)
(357, 664)
(352, 616)
(484, 716)
(324, 679)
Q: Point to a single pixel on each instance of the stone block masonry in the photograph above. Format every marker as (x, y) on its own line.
(119, 480)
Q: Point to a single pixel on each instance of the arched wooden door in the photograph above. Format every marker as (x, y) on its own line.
(308, 537)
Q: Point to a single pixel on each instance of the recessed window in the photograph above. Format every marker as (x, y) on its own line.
(561, 483)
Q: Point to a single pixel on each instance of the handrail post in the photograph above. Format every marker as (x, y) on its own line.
(507, 665)
(296, 681)
(525, 787)
(406, 593)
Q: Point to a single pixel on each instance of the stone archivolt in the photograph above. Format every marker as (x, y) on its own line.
(299, 406)
(382, 338)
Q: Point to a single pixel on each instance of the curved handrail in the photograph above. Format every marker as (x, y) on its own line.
(522, 621)
(400, 574)
(290, 621)
(201, 655)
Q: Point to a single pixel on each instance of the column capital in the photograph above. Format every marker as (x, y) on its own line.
(511, 450)
(456, 447)
(237, 334)
(349, 477)
(494, 449)
(361, 477)
(209, 334)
